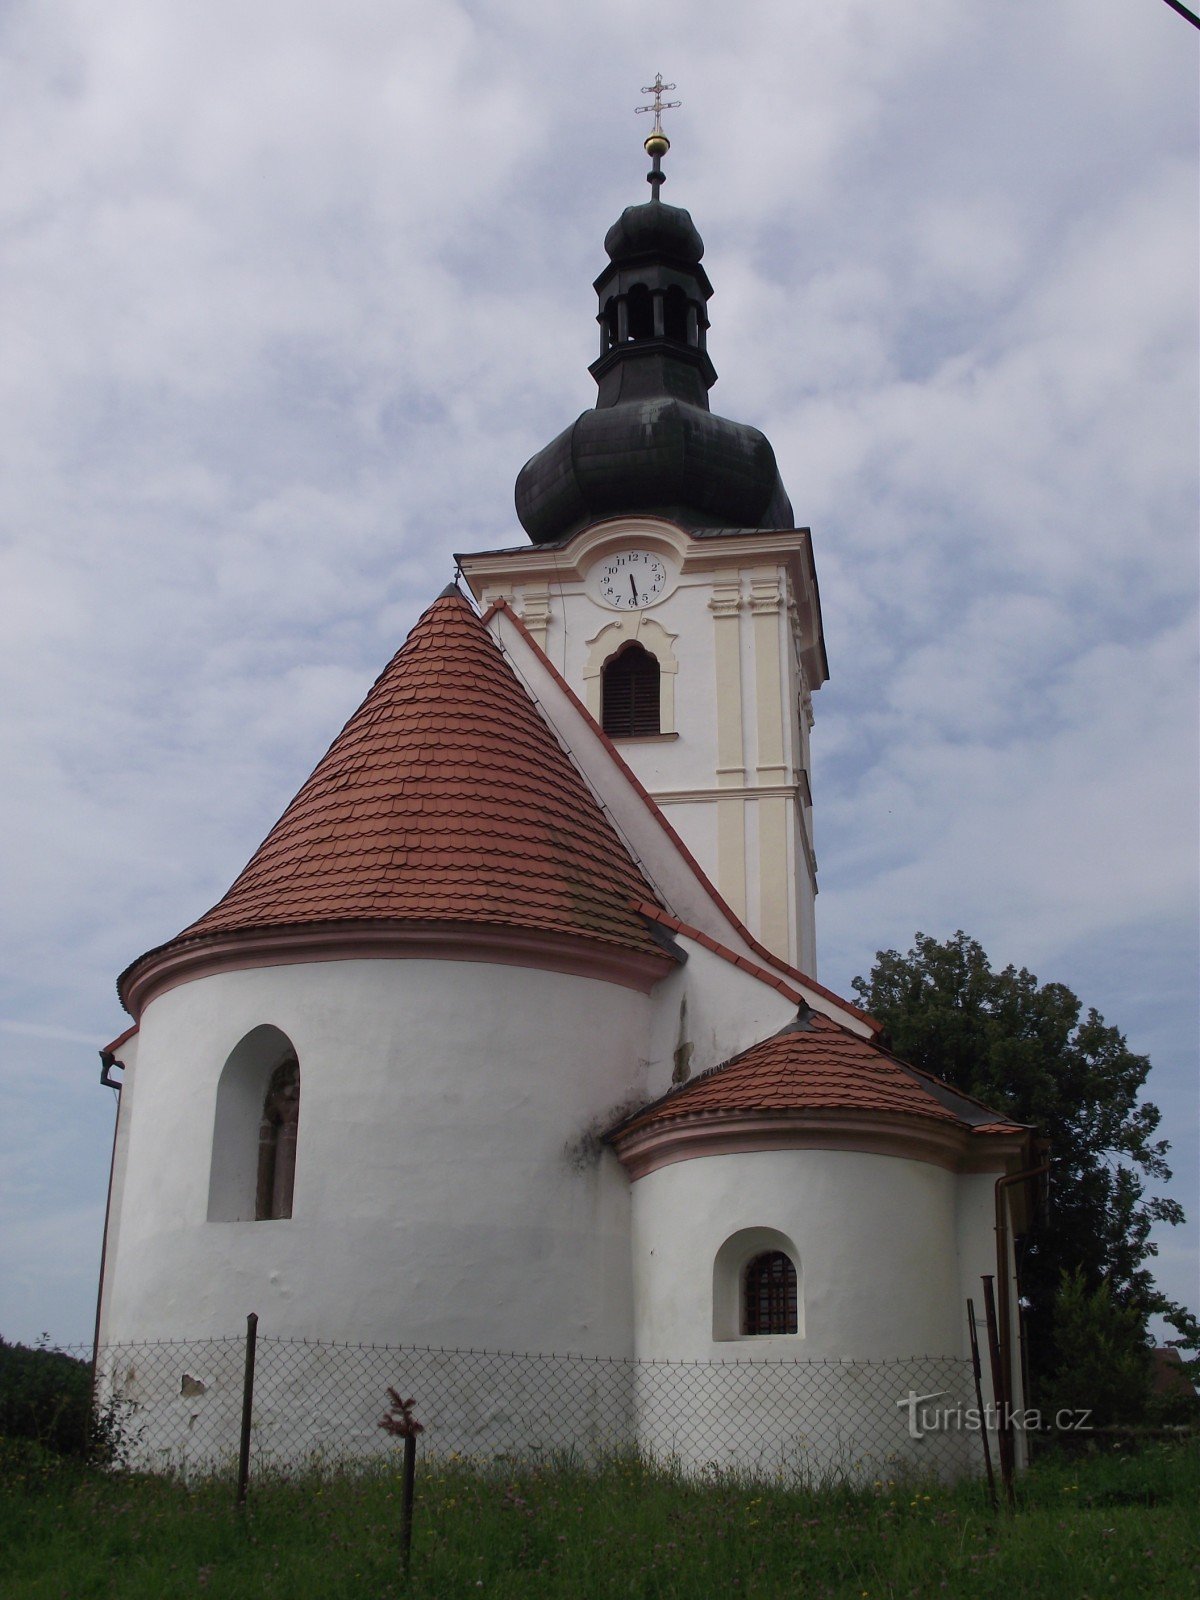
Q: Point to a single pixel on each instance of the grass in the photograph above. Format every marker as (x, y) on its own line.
(1106, 1525)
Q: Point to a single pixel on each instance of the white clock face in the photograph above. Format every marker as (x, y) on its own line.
(631, 579)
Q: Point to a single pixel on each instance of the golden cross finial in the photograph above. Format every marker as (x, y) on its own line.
(658, 88)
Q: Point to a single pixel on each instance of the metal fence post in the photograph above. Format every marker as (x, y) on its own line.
(983, 1421)
(406, 1507)
(401, 1424)
(247, 1409)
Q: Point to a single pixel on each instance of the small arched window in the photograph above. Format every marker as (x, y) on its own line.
(675, 316)
(277, 1142)
(630, 694)
(609, 323)
(255, 1124)
(641, 312)
(769, 1294)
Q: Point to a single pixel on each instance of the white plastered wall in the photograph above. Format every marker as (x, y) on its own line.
(126, 1056)
(874, 1240)
(727, 1010)
(450, 1187)
(876, 1237)
(681, 890)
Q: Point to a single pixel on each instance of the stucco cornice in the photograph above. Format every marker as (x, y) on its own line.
(644, 1150)
(172, 965)
(569, 561)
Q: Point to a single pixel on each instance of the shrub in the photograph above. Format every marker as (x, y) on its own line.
(1102, 1354)
(45, 1396)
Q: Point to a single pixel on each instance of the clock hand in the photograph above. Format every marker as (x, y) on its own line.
(633, 586)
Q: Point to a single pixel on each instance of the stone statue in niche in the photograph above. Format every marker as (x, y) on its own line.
(277, 1142)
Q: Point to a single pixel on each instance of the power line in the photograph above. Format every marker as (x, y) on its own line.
(1184, 12)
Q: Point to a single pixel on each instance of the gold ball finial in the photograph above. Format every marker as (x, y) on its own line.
(657, 145)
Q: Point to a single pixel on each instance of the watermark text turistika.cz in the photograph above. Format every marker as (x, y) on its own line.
(924, 1418)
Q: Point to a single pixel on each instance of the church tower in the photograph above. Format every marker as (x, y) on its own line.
(668, 584)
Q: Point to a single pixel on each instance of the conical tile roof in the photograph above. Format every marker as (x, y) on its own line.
(815, 1065)
(445, 798)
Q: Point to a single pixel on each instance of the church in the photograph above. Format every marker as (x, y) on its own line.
(508, 1036)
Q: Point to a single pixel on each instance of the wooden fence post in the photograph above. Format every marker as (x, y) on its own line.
(999, 1391)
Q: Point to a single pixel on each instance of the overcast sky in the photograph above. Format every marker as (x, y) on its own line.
(289, 291)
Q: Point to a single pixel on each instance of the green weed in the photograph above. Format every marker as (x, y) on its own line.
(1115, 1525)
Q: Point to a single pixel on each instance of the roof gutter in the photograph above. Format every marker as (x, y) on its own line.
(107, 1062)
(1004, 1318)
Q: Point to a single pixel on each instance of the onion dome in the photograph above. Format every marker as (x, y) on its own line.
(651, 444)
(654, 229)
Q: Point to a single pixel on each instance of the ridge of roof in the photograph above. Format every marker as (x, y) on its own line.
(445, 797)
(768, 957)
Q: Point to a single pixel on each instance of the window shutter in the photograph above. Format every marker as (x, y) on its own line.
(630, 695)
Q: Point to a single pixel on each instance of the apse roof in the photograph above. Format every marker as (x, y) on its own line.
(444, 798)
(816, 1065)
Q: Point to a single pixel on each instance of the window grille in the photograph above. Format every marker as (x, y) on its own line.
(630, 697)
(769, 1296)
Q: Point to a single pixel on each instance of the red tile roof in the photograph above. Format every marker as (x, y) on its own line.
(444, 798)
(817, 1066)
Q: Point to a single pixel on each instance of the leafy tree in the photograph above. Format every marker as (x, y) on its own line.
(1028, 1050)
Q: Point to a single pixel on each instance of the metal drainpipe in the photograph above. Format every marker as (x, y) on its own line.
(107, 1062)
(1002, 1280)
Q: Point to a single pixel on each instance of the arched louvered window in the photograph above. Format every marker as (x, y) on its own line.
(769, 1294)
(630, 694)
(277, 1142)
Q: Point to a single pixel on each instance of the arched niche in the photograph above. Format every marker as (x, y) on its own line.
(254, 1129)
(729, 1271)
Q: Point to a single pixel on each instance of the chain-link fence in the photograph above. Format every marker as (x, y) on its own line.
(180, 1406)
